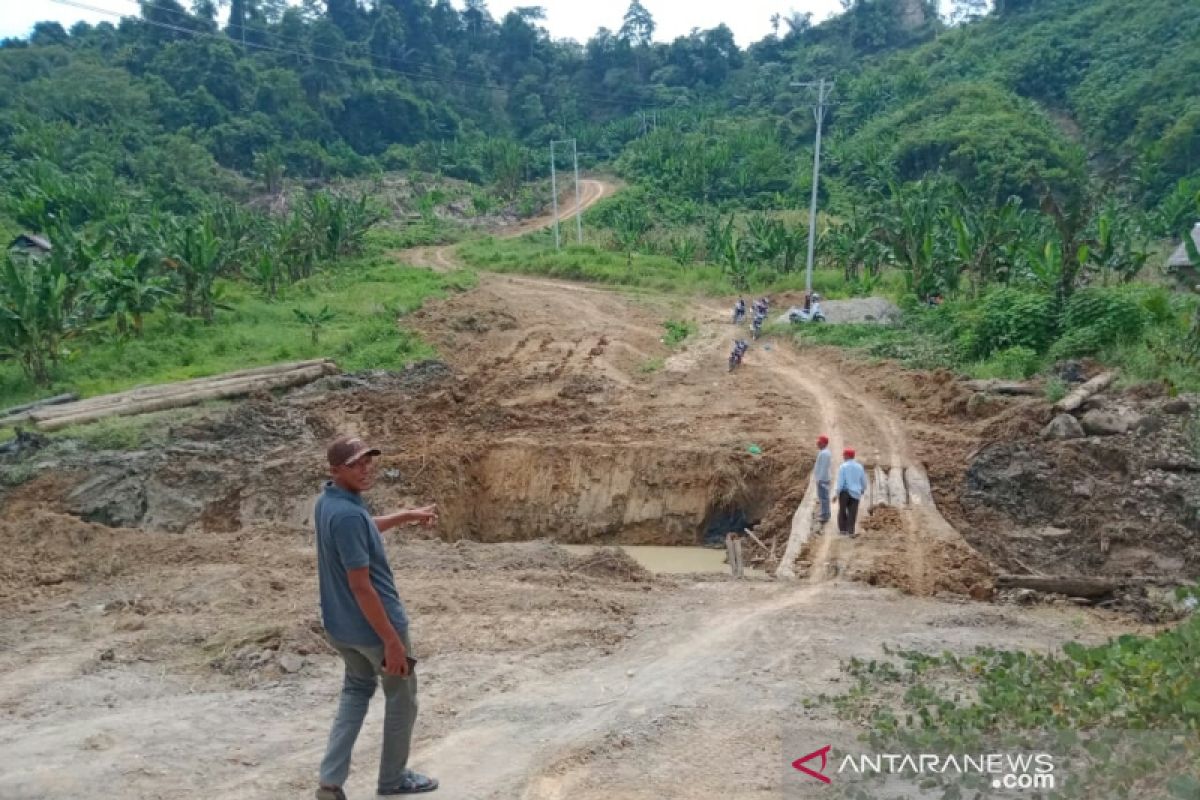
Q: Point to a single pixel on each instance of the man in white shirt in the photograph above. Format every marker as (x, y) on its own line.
(851, 486)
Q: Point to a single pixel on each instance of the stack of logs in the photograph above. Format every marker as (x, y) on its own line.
(52, 417)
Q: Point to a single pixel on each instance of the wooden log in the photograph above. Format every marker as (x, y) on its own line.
(881, 490)
(756, 540)
(733, 548)
(58, 399)
(897, 492)
(1002, 387)
(176, 388)
(1089, 588)
(226, 390)
(920, 493)
(1076, 396)
(801, 531)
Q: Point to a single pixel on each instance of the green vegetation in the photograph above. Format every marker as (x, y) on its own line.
(1088, 701)
(677, 331)
(365, 297)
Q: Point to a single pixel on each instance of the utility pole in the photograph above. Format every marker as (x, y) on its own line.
(554, 190)
(554, 197)
(578, 207)
(823, 89)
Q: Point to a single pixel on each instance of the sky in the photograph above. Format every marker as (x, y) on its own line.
(750, 20)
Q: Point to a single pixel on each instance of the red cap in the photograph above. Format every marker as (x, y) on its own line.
(848, 453)
(822, 440)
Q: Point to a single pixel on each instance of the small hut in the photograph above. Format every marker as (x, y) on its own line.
(1181, 259)
(30, 244)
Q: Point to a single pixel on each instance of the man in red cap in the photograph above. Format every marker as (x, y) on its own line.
(822, 472)
(365, 621)
(851, 486)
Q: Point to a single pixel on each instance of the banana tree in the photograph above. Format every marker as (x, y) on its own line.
(910, 228)
(1117, 246)
(630, 225)
(683, 250)
(196, 257)
(36, 313)
(314, 320)
(125, 290)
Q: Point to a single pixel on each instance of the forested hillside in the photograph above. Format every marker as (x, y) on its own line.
(1038, 87)
(1036, 148)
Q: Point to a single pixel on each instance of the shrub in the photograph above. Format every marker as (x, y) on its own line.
(1115, 313)
(1013, 318)
(1012, 362)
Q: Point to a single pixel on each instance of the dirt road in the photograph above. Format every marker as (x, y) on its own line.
(441, 257)
(188, 664)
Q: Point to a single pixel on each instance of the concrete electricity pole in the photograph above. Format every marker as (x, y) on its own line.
(554, 190)
(554, 197)
(823, 89)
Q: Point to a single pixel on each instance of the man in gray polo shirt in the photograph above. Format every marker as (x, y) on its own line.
(365, 621)
(822, 475)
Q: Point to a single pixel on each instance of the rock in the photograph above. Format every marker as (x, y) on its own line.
(1177, 407)
(1106, 423)
(1069, 371)
(1082, 488)
(1148, 424)
(291, 663)
(1064, 426)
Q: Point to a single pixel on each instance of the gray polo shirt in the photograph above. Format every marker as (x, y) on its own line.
(347, 538)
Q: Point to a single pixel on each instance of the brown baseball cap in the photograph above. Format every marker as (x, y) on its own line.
(345, 450)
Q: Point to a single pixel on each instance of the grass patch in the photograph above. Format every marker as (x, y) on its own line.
(1105, 695)
(534, 254)
(133, 432)
(906, 343)
(653, 365)
(677, 331)
(365, 295)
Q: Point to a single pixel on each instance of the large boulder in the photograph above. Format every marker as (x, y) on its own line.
(1099, 422)
(1064, 426)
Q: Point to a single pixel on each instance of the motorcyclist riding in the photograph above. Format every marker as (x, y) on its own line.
(739, 350)
(739, 310)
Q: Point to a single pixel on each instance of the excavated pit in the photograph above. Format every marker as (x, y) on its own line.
(597, 493)
(257, 464)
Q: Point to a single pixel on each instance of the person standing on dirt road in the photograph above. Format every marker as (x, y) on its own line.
(365, 621)
(822, 474)
(851, 486)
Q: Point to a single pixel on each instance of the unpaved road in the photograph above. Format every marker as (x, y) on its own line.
(441, 257)
(133, 667)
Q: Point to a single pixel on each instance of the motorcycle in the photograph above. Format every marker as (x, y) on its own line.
(735, 358)
(756, 326)
(738, 315)
(798, 315)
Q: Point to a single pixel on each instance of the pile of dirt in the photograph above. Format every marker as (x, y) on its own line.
(613, 563)
(1120, 504)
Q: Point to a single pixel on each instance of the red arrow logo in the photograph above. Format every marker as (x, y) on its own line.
(824, 754)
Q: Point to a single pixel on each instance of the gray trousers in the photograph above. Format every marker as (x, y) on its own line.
(823, 496)
(364, 670)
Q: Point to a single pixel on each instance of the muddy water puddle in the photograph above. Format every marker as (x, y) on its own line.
(668, 559)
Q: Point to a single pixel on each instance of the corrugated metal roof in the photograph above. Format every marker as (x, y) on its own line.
(1180, 257)
(31, 240)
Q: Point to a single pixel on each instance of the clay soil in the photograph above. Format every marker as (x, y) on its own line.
(159, 635)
